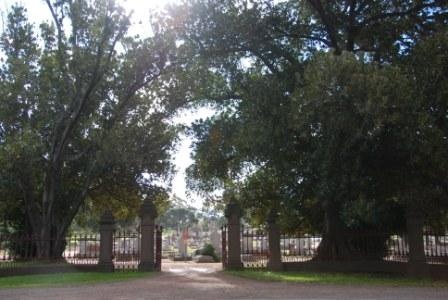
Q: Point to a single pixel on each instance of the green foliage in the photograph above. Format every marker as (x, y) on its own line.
(178, 218)
(333, 115)
(81, 121)
(208, 250)
(330, 116)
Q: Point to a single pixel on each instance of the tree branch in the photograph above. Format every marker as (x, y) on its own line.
(328, 22)
(379, 17)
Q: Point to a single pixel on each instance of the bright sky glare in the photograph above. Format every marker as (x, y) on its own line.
(38, 12)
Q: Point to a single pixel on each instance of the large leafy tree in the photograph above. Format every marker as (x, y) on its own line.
(336, 112)
(384, 28)
(307, 150)
(77, 117)
(311, 126)
(408, 155)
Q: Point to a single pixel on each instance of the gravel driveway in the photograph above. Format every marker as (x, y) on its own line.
(202, 281)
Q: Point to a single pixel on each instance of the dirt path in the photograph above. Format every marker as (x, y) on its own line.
(202, 281)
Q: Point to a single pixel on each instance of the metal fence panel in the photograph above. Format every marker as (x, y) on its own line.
(126, 251)
(254, 248)
(302, 247)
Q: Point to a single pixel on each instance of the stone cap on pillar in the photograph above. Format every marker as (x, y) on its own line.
(107, 218)
(148, 209)
(232, 209)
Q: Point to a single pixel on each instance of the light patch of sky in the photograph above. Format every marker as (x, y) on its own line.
(182, 157)
(38, 12)
(140, 9)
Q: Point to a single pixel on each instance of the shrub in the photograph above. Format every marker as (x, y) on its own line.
(209, 250)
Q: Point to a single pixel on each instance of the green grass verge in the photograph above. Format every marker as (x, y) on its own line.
(32, 263)
(337, 278)
(77, 278)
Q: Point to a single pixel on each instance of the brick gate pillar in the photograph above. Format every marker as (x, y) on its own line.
(148, 213)
(233, 215)
(416, 266)
(107, 227)
(275, 256)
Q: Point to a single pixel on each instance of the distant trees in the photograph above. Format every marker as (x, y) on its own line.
(179, 218)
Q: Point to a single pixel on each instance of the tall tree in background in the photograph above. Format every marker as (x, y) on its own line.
(77, 120)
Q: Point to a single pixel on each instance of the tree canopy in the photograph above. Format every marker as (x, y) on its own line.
(329, 112)
(79, 120)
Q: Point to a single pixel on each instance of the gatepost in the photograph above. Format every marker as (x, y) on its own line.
(148, 213)
(233, 215)
(275, 258)
(107, 227)
(416, 266)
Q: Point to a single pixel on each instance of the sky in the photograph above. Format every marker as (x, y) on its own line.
(38, 11)
(182, 157)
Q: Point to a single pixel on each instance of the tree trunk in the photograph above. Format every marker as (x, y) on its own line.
(50, 223)
(340, 243)
(59, 243)
(334, 244)
(50, 243)
(49, 234)
(43, 233)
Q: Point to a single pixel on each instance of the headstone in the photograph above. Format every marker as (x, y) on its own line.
(215, 239)
(249, 244)
(263, 244)
(82, 248)
(182, 244)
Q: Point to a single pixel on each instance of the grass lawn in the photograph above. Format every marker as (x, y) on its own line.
(57, 279)
(33, 263)
(337, 278)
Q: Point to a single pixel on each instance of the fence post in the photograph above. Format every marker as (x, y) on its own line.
(224, 246)
(275, 256)
(148, 214)
(416, 266)
(107, 227)
(233, 215)
(158, 266)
